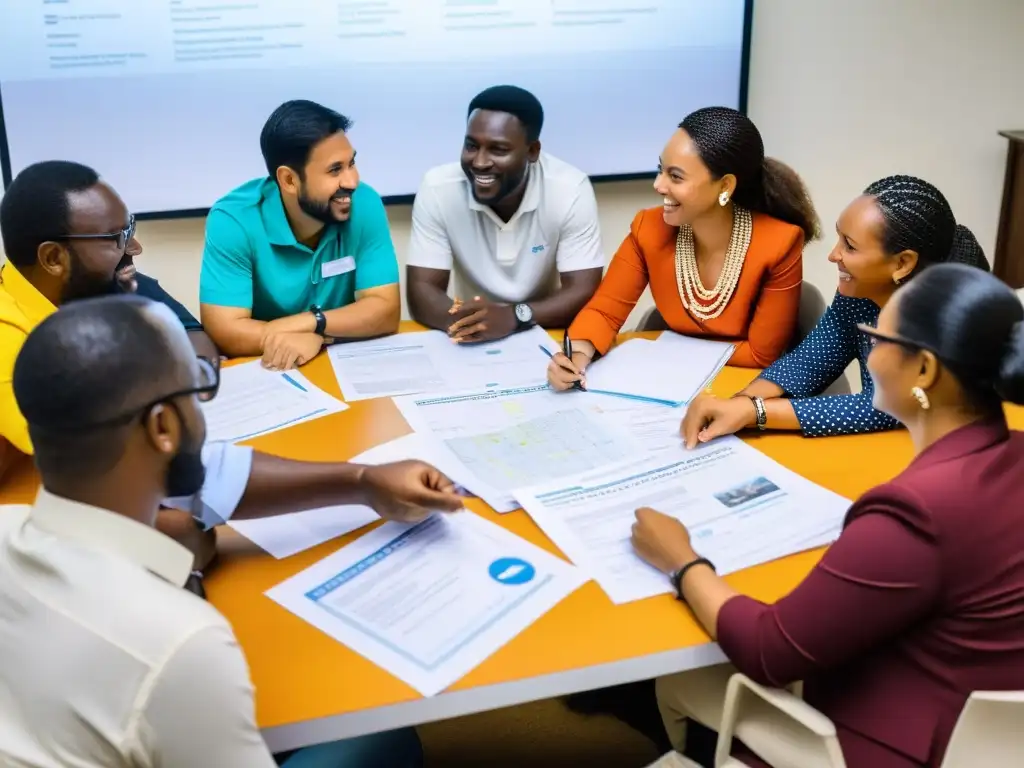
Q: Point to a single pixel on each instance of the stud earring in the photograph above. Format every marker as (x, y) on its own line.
(897, 281)
(922, 398)
(723, 199)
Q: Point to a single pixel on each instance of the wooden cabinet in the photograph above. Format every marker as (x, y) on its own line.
(1009, 257)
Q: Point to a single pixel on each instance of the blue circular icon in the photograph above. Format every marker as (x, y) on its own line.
(511, 570)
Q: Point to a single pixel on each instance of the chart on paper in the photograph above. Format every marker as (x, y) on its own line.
(562, 443)
(520, 436)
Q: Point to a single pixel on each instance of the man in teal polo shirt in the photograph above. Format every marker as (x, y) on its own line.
(303, 255)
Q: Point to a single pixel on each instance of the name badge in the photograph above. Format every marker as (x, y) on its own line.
(341, 266)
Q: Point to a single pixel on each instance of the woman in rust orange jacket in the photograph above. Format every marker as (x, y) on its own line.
(723, 254)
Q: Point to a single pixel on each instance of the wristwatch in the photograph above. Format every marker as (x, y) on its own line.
(676, 577)
(524, 317)
(321, 319)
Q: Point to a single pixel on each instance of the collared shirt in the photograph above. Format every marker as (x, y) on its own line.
(555, 230)
(104, 658)
(252, 259)
(22, 308)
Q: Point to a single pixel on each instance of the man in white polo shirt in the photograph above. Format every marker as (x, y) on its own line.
(518, 227)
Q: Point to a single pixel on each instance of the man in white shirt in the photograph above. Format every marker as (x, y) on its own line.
(517, 226)
(104, 659)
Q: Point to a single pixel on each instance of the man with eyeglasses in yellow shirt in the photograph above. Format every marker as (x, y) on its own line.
(68, 235)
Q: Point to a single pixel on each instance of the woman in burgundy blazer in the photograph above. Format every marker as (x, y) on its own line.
(921, 599)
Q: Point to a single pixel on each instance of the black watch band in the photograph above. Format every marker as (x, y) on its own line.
(677, 576)
(321, 319)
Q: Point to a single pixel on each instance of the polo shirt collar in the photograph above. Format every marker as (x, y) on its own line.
(33, 304)
(115, 534)
(530, 202)
(275, 220)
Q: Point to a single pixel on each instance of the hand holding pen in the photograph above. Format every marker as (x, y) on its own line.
(566, 369)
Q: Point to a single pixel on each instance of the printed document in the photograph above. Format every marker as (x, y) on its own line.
(431, 601)
(253, 401)
(511, 438)
(429, 362)
(285, 535)
(670, 372)
(740, 507)
(653, 426)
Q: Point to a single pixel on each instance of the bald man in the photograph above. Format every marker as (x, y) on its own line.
(104, 659)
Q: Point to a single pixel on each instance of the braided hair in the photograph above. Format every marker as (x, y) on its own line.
(918, 218)
(729, 143)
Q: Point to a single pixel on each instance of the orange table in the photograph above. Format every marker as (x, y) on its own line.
(311, 689)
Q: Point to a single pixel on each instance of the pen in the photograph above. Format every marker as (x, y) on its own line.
(567, 349)
(549, 353)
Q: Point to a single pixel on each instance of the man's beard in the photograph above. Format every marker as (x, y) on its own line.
(509, 183)
(83, 285)
(321, 209)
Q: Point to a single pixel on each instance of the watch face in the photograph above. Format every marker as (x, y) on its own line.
(523, 313)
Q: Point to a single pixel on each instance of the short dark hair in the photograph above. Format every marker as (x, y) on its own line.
(918, 218)
(93, 360)
(35, 209)
(293, 129)
(974, 324)
(728, 142)
(514, 101)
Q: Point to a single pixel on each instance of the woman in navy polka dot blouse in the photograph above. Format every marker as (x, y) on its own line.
(899, 226)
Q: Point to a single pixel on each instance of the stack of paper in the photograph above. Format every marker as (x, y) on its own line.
(253, 401)
(740, 507)
(286, 535)
(670, 371)
(415, 363)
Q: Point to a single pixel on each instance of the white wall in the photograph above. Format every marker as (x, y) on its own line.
(845, 91)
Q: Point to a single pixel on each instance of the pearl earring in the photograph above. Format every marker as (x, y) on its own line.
(922, 398)
(896, 280)
(723, 199)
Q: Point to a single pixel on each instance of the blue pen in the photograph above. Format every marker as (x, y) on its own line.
(567, 349)
(566, 344)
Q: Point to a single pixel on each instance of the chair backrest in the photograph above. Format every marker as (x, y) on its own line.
(652, 321)
(812, 307)
(988, 731)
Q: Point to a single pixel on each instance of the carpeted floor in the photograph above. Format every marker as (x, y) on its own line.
(544, 734)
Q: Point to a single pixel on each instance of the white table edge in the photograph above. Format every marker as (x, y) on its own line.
(447, 705)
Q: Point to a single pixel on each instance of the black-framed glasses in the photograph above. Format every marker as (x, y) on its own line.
(122, 238)
(205, 390)
(875, 337)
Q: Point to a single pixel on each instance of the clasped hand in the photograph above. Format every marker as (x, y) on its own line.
(286, 350)
(480, 320)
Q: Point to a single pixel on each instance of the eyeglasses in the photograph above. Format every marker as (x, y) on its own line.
(122, 238)
(205, 390)
(875, 337)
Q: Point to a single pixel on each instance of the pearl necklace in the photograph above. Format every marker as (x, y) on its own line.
(703, 304)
